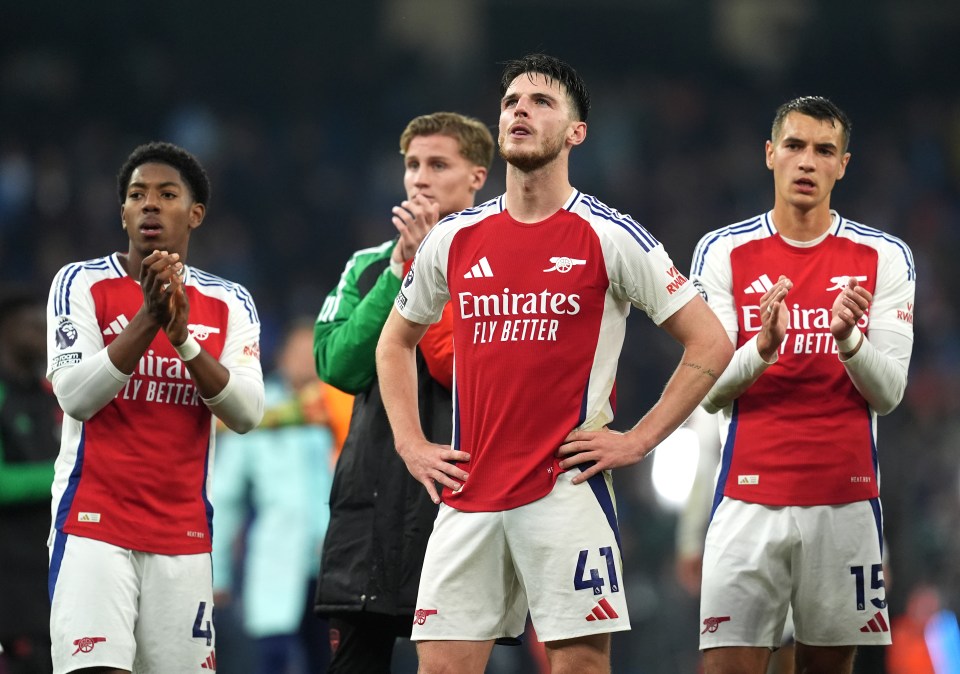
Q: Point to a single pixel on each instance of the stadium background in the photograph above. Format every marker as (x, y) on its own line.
(295, 108)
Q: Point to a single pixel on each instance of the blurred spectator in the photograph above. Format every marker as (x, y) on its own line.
(29, 441)
(280, 475)
(910, 652)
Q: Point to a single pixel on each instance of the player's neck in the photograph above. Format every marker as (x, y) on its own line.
(131, 263)
(536, 195)
(798, 224)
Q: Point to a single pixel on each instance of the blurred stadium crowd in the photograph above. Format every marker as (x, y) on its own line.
(295, 111)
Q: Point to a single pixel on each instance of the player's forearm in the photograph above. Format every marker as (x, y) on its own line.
(879, 369)
(397, 371)
(239, 404)
(437, 348)
(697, 372)
(209, 374)
(744, 369)
(85, 388)
(130, 345)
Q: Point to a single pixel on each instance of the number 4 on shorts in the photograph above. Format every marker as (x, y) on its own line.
(580, 582)
(198, 631)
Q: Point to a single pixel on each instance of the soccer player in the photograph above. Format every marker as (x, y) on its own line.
(143, 351)
(820, 309)
(380, 517)
(541, 280)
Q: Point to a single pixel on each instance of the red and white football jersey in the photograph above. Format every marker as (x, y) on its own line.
(137, 473)
(539, 321)
(802, 434)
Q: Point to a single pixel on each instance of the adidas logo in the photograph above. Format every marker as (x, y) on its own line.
(876, 624)
(116, 326)
(480, 270)
(602, 611)
(761, 285)
(210, 663)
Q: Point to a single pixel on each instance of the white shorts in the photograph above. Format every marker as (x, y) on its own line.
(559, 557)
(113, 607)
(825, 561)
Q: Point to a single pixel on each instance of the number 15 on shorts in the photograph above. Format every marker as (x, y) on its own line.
(876, 583)
(604, 556)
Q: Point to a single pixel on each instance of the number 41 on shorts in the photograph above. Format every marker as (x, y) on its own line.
(596, 581)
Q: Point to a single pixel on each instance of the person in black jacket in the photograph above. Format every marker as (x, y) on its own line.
(380, 517)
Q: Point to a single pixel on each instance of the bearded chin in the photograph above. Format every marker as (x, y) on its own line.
(530, 161)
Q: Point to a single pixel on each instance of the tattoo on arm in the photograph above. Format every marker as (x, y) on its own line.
(704, 370)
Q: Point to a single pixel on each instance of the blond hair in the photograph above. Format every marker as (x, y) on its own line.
(473, 137)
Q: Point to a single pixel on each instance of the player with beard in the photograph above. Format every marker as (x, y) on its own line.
(541, 279)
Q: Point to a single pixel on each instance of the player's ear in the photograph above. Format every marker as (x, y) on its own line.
(577, 133)
(768, 151)
(478, 176)
(844, 160)
(197, 211)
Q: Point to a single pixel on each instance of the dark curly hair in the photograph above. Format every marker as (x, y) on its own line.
(176, 157)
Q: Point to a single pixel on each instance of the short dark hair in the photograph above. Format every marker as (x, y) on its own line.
(818, 107)
(176, 157)
(473, 137)
(553, 69)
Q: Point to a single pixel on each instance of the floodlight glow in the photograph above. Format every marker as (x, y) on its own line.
(674, 467)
